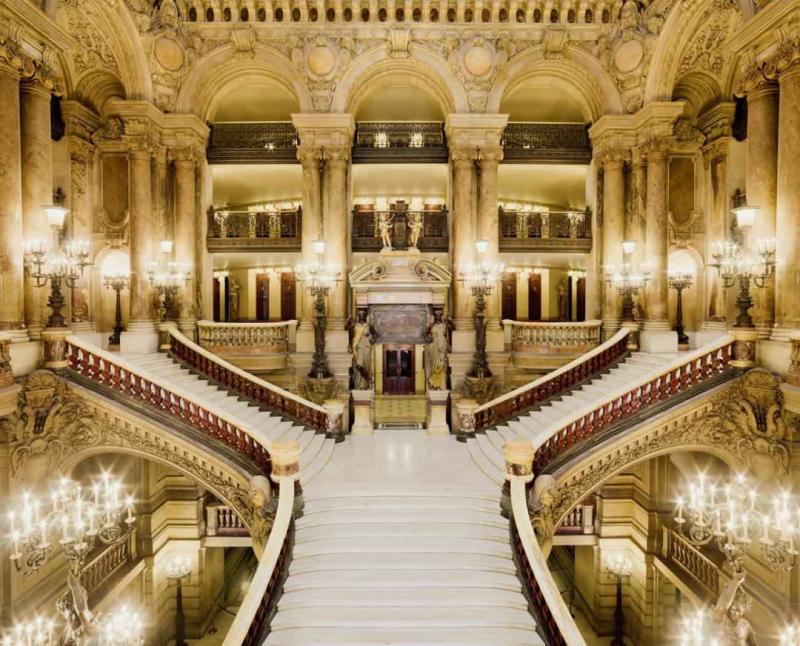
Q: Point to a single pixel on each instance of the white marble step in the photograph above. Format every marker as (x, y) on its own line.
(443, 562)
(314, 468)
(494, 456)
(417, 545)
(419, 579)
(394, 617)
(387, 500)
(487, 467)
(404, 597)
(419, 514)
(453, 636)
(495, 532)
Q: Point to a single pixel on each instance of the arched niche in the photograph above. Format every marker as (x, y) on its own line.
(402, 100)
(699, 91)
(253, 97)
(544, 99)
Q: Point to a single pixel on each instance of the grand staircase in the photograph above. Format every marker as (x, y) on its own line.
(402, 542)
(316, 449)
(537, 425)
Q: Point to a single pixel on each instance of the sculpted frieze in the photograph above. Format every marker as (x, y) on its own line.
(80, 18)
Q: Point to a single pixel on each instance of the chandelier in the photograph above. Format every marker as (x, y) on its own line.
(627, 279)
(167, 278)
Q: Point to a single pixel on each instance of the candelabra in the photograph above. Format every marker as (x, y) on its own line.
(319, 278)
(167, 278)
(737, 515)
(680, 279)
(697, 631)
(179, 568)
(627, 280)
(122, 627)
(618, 568)
(76, 519)
(117, 281)
(735, 264)
(481, 277)
(790, 635)
(56, 263)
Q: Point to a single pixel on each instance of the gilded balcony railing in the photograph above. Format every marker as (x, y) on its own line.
(580, 520)
(105, 565)
(693, 562)
(254, 230)
(394, 141)
(534, 229)
(526, 141)
(558, 337)
(251, 338)
(222, 520)
(247, 142)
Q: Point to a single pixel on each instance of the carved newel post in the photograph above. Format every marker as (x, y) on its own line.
(286, 464)
(54, 347)
(518, 457)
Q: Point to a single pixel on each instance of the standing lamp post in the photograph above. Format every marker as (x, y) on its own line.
(618, 568)
(179, 568)
(319, 278)
(167, 278)
(57, 263)
(627, 280)
(481, 278)
(117, 281)
(737, 264)
(680, 279)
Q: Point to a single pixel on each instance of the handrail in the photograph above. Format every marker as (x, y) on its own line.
(552, 324)
(552, 614)
(531, 394)
(624, 402)
(255, 337)
(114, 372)
(248, 385)
(246, 324)
(553, 336)
(253, 615)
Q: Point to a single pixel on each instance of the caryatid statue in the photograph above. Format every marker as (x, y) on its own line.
(438, 345)
(363, 335)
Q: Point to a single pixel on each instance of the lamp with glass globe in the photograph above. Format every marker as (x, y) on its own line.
(179, 568)
(55, 262)
(618, 568)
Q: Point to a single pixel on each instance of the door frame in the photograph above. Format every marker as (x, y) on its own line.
(396, 347)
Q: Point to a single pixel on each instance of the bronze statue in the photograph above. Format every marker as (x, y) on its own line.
(362, 337)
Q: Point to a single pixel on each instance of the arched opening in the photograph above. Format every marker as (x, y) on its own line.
(398, 101)
(544, 98)
(698, 91)
(253, 98)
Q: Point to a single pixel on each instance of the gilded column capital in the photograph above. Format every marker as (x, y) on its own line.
(613, 157)
(309, 155)
(658, 148)
(12, 60)
(716, 149)
(37, 77)
(188, 156)
(754, 81)
(785, 61)
(336, 154)
(463, 154)
(490, 154)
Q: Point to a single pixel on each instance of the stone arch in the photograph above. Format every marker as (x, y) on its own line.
(679, 32)
(219, 69)
(96, 87)
(578, 73)
(698, 90)
(422, 68)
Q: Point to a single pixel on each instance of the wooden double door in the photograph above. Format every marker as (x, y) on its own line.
(398, 370)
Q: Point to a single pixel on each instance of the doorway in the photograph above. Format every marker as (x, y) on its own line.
(535, 297)
(398, 370)
(262, 297)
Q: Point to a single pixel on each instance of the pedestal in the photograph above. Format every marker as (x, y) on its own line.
(335, 409)
(658, 341)
(744, 347)
(363, 412)
(436, 419)
(518, 457)
(54, 347)
(140, 338)
(465, 412)
(285, 456)
(164, 336)
(633, 334)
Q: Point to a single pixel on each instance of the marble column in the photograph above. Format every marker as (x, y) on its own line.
(787, 287)
(463, 160)
(311, 222)
(635, 222)
(656, 239)
(141, 335)
(335, 230)
(81, 163)
(715, 160)
(186, 235)
(11, 241)
(489, 224)
(762, 177)
(37, 183)
(158, 195)
(613, 231)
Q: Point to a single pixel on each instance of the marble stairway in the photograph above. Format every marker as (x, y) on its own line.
(486, 448)
(402, 543)
(316, 449)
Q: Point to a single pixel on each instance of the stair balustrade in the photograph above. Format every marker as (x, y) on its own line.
(556, 337)
(559, 381)
(114, 373)
(222, 520)
(258, 337)
(580, 520)
(105, 565)
(551, 612)
(677, 378)
(682, 554)
(244, 384)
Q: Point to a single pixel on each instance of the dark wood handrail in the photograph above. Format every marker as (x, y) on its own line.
(673, 381)
(274, 399)
(101, 368)
(523, 399)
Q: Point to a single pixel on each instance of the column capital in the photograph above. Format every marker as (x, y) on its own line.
(461, 154)
(188, 156)
(336, 154)
(12, 60)
(309, 155)
(613, 157)
(327, 130)
(785, 61)
(490, 154)
(37, 78)
(657, 148)
(477, 130)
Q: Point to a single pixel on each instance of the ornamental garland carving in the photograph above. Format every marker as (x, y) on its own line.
(53, 425)
(80, 18)
(745, 421)
(705, 52)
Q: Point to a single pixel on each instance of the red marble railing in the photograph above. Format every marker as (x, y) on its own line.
(555, 383)
(107, 370)
(673, 381)
(275, 399)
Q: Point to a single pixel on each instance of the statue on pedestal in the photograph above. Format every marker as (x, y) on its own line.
(362, 338)
(415, 229)
(385, 224)
(233, 288)
(438, 345)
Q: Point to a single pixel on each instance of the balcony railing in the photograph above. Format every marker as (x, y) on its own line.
(567, 337)
(580, 520)
(105, 565)
(252, 142)
(254, 230)
(693, 562)
(400, 141)
(523, 230)
(367, 235)
(565, 143)
(250, 338)
(221, 520)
